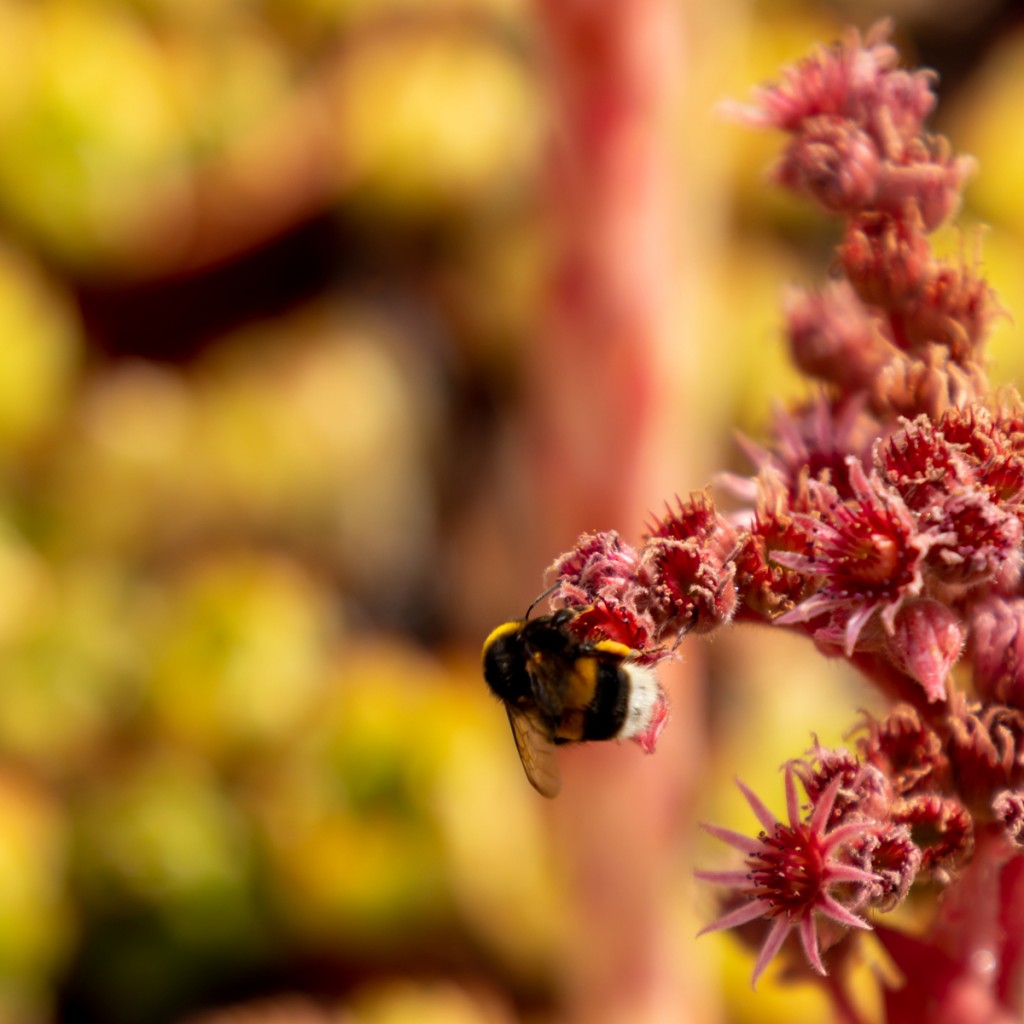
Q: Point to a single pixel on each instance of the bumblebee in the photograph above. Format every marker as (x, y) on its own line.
(559, 689)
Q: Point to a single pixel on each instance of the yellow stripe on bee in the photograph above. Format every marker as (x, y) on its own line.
(497, 633)
(571, 726)
(582, 682)
(613, 647)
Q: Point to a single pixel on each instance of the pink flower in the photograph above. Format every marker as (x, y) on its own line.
(887, 259)
(955, 310)
(923, 464)
(812, 440)
(857, 123)
(975, 540)
(768, 587)
(946, 830)
(986, 749)
(997, 649)
(789, 873)
(926, 640)
(863, 790)
(834, 161)
(867, 554)
(599, 576)
(687, 560)
(833, 336)
(928, 179)
(908, 753)
(845, 79)
(943, 473)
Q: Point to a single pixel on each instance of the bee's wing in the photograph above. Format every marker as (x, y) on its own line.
(536, 751)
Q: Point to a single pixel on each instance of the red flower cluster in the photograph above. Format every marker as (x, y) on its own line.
(884, 520)
(680, 580)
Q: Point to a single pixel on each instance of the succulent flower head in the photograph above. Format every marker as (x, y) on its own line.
(865, 555)
(792, 871)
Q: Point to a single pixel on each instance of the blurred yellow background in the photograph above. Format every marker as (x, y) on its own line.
(272, 275)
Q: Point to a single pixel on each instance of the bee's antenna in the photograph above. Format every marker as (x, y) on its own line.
(537, 600)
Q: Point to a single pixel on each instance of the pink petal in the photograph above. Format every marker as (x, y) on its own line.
(767, 819)
(823, 809)
(809, 940)
(792, 800)
(739, 879)
(815, 605)
(741, 915)
(737, 841)
(828, 906)
(848, 873)
(841, 833)
(776, 937)
(856, 622)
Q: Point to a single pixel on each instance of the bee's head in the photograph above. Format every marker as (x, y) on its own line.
(504, 662)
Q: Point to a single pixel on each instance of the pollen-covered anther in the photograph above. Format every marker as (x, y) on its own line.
(792, 873)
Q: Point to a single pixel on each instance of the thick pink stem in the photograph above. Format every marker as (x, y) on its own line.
(604, 445)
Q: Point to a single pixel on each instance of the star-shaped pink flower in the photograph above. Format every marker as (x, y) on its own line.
(789, 872)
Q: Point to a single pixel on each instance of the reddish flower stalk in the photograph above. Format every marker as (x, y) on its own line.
(884, 521)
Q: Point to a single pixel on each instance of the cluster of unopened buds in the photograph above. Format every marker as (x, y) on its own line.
(883, 521)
